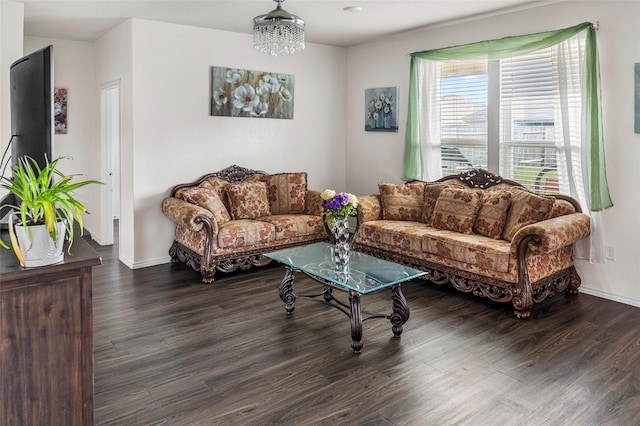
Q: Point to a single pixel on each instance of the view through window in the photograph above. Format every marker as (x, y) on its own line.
(521, 103)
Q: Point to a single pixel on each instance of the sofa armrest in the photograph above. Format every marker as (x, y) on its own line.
(369, 208)
(552, 234)
(313, 203)
(187, 215)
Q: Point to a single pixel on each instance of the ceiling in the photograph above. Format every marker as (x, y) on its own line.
(327, 22)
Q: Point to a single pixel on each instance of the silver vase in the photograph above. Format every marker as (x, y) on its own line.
(340, 230)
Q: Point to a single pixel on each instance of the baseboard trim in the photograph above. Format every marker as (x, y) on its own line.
(146, 263)
(609, 296)
(98, 240)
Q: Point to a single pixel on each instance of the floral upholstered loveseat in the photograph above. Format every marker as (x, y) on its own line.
(481, 233)
(226, 220)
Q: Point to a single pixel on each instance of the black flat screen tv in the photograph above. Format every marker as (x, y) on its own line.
(32, 120)
(31, 85)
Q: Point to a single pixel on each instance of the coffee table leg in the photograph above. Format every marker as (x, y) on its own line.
(400, 313)
(356, 322)
(327, 294)
(286, 290)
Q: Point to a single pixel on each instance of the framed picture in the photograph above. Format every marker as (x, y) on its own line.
(258, 94)
(381, 109)
(60, 110)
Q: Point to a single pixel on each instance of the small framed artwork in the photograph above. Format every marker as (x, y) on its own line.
(636, 111)
(60, 110)
(245, 93)
(381, 109)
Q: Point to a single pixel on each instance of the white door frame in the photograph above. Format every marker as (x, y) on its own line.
(107, 162)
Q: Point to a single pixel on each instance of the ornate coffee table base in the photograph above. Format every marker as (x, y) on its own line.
(398, 316)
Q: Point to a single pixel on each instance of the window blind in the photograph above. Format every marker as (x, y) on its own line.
(528, 131)
(463, 116)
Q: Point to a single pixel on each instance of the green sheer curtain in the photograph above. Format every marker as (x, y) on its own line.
(511, 46)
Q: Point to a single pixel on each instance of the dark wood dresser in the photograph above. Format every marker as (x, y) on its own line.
(46, 340)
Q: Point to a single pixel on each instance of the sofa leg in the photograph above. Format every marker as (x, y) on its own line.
(574, 281)
(523, 299)
(207, 274)
(173, 253)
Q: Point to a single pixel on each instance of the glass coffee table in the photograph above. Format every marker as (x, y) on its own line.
(366, 274)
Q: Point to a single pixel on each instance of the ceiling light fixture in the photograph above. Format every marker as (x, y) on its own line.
(352, 9)
(278, 33)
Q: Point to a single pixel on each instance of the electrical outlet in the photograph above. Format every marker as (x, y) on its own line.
(610, 252)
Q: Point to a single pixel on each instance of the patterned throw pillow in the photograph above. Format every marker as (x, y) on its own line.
(431, 193)
(220, 186)
(456, 209)
(402, 202)
(205, 196)
(286, 192)
(493, 214)
(248, 200)
(526, 208)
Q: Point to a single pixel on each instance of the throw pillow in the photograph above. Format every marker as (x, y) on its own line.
(205, 196)
(526, 208)
(248, 200)
(220, 186)
(402, 202)
(286, 192)
(431, 193)
(456, 209)
(493, 214)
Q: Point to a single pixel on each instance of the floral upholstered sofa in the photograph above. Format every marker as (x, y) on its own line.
(226, 220)
(481, 233)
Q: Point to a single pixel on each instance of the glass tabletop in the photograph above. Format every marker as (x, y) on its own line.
(366, 273)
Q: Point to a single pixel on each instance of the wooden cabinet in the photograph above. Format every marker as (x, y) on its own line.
(46, 340)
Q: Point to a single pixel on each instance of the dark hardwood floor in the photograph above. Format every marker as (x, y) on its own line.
(171, 351)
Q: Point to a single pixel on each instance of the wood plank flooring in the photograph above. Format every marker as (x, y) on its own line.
(171, 351)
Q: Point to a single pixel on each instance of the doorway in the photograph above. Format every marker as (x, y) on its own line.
(110, 158)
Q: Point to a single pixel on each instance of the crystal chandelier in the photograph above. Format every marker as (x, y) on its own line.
(278, 33)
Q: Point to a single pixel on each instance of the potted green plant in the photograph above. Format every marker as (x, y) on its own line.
(46, 210)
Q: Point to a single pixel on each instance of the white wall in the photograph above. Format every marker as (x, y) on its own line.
(114, 62)
(11, 37)
(380, 154)
(170, 137)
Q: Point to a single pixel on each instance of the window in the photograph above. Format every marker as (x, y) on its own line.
(520, 106)
(531, 112)
(463, 116)
(527, 138)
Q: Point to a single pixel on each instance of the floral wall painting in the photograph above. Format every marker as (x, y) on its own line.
(381, 109)
(244, 93)
(60, 110)
(637, 99)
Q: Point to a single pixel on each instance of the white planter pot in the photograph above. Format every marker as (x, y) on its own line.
(38, 248)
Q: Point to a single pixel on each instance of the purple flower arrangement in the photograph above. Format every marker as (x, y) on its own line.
(339, 205)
